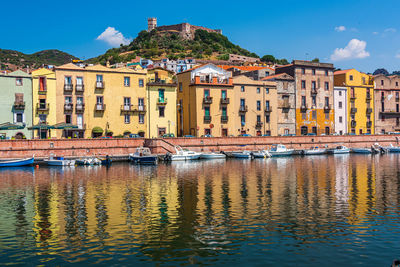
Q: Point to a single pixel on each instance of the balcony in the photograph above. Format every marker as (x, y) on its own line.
(224, 101)
(303, 107)
(397, 99)
(68, 107)
(369, 110)
(42, 91)
(162, 101)
(207, 119)
(207, 100)
(352, 97)
(139, 108)
(314, 91)
(327, 108)
(353, 124)
(268, 109)
(224, 119)
(162, 82)
(42, 107)
(99, 85)
(242, 109)
(79, 108)
(391, 112)
(259, 124)
(79, 88)
(126, 108)
(19, 105)
(369, 124)
(353, 110)
(68, 87)
(100, 107)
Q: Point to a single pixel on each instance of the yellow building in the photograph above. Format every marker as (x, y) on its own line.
(44, 103)
(161, 99)
(360, 100)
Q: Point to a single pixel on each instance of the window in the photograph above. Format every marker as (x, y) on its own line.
(286, 131)
(383, 117)
(224, 132)
(161, 112)
(382, 82)
(127, 118)
(258, 105)
(141, 118)
(79, 100)
(314, 130)
(267, 73)
(242, 102)
(340, 104)
(141, 104)
(42, 84)
(314, 115)
(326, 101)
(19, 117)
(268, 133)
(161, 95)
(313, 71)
(267, 107)
(304, 130)
(383, 106)
(397, 121)
(68, 118)
(127, 103)
(207, 111)
(18, 81)
(326, 115)
(267, 118)
(242, 88)
(327, 130)
(397, 83)
(314, 101)
(303, 84)
(351, 77)
(141, 82)
(207, 131)
(326, 85)
(303, 101)
(68, 100)
(340, 119)
(267, 91)
(397, 107)
(285, 85)
(68, 80)
(363, 80)
(206, 93)
(258, 118)
(242, 120)
(127, 81)
(224, 112)
(361, 131)
(180, 87)
(99, 100)
(340, 93)
(99, 78)
(258, 90)
(79, 81)
(326, 73)
(223, 94)
(313, 85)
(303, 71)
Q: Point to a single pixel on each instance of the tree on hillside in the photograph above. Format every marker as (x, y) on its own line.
(268, 58)
(381, 71)
(315, 60)
(396, 72)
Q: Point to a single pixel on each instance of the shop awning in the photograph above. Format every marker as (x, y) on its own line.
(65, 126)
(11, 126)
(41, 126)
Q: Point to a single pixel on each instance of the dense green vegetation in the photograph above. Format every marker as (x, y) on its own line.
(272, 59)
(156, 44)
(49, 57)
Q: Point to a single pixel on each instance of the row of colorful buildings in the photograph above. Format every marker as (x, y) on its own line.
(302, 98)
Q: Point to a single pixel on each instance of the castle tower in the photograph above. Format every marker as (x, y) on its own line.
(151, 24)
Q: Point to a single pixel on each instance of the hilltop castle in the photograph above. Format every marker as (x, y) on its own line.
(185, 30)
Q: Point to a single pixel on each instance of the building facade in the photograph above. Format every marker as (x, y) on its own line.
(314, 96)
(286, 100)
(16, 104)
(360, 100)
(340, 106)
(161, 102)
(204, 101)
(387, 101)
(44, 103)
(255, 107)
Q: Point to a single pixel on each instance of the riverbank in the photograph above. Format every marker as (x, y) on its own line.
(120, 148)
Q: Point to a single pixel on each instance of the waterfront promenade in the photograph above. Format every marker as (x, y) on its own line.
(121, 147)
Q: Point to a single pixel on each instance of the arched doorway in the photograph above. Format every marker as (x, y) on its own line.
(141, 134)
(19, 136)
(304, 130)
(97, 132)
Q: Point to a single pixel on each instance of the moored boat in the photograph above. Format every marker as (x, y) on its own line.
(17, 162)
(213, 155)
(262, 154)
(242, 155)
(361, 150)
(280, 150)
(88, 161)
(181, 154)
(314, 151)
(339, 150)
(143, 155)
(392, 149)
(59, 161)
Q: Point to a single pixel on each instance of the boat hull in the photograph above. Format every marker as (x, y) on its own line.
(241, 156)
(60, 162)
(314, 152)
(361, 150)
(280, 154)
(144, 159)
(213, 156)
(17, 163)
(183, 157)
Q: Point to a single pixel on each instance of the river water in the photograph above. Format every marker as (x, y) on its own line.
(298, 211)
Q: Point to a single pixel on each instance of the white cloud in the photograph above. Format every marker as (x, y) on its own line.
(390, 30)
(113, 37)
(340, 28)
(375, 33)
(354, 49)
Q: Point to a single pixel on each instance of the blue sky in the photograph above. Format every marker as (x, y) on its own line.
(365, 34)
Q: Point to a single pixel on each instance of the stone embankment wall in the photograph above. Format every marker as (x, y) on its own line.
(122, 147)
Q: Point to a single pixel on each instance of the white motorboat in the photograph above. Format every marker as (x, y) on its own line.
(314, 151)
(339, 150)
(392, 149)
(59, 161)
(143, 155)
(242, 155)
(213, 155)
(262, 154)
(181, 154)
(88, 161)
(280, 150)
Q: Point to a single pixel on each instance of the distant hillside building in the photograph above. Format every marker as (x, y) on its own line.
(240, 58)
(185, 30)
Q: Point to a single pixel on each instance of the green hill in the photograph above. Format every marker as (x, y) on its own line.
(10, 59)
(154, 45)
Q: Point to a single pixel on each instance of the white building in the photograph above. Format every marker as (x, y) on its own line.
(340, 103)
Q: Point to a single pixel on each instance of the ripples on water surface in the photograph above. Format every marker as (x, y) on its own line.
(318, 210)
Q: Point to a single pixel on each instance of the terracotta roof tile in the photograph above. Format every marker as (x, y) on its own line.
(341, 71)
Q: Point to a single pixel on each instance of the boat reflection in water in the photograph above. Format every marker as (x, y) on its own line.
(279, 211)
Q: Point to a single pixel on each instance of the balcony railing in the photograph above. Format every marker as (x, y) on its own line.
(369, 124)
(79, 108)
(327, 108)
(369, 110)
(100, 85)
(314, 91)
(42, 107)
(79, 88)
(242, 109)
(126, 108)
(303, 107)
(224, 119)
(139, 108)
(353, 110)
(161, 101)
(207, 119)
(100, 107)
(68, 87)
(19, 105)
(42, 91)
(259, 124)
(68, 107)
(268, 109)
(207, 100)
(224, 101)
